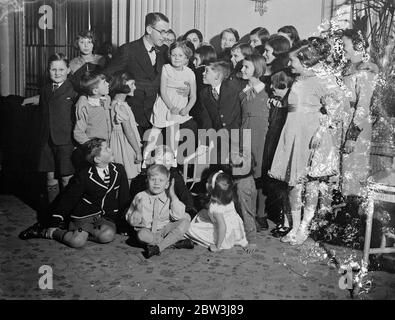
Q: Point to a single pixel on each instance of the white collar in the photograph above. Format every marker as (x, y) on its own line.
(103, 169)
(258, 87)
(96, 101)
(57, 83)
(148, 46)
(161, 196)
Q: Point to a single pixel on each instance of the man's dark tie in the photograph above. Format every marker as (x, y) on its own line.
(55, 86)
(215, 94)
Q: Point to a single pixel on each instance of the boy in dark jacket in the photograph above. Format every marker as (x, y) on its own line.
(95, 199)
(219, 100)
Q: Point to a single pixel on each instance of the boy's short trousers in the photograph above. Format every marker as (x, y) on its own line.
(90, 224)
(57, 159)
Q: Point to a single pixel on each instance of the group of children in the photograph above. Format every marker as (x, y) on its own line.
(283, 95)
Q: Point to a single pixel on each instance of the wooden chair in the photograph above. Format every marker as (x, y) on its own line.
(200, 160)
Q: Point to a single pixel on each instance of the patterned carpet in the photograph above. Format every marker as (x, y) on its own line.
(119, 271)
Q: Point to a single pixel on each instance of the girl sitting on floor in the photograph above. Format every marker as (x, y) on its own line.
(219, 227)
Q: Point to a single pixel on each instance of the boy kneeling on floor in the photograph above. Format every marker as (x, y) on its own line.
(95, 199)
(158, 215)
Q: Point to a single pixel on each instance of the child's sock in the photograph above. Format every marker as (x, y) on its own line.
(296, 214)
(261, 207)
(153, 136)
(303, 230)
(174, 137)
(53, 191)
(286, 222)
(57, 234)
(308, 215)
(326, 197)
(172, 237)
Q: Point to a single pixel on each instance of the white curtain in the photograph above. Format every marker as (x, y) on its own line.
(128, 17)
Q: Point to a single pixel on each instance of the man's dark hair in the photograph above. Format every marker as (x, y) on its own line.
(153, 17)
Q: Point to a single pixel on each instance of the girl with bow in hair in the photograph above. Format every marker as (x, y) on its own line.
(219, 227)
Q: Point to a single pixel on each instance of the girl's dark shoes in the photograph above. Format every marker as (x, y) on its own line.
(280, 231)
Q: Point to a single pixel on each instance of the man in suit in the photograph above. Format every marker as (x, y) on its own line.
(144, 59)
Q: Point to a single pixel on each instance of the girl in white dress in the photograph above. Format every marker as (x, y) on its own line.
(219, 227)
(125, 140)
(306, 152)
(172, 109)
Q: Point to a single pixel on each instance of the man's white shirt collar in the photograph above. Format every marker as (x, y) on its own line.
(147, 45)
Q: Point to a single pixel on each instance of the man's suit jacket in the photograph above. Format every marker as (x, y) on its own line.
(224, 112)
(134, 58)
(57, 114)
(87, 195)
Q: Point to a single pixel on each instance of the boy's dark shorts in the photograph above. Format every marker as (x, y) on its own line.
(90, 224)
(54, 158)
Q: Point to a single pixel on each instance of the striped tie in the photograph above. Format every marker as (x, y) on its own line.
(106, 177)
(156, 212)
(215, 94)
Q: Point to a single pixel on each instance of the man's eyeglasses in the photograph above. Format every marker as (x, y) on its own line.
(163, 33)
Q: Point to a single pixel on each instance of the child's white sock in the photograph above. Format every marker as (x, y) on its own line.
(296, 214)
(296, 217)
(286, 221)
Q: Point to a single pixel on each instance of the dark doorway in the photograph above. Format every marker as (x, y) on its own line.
(63, 20)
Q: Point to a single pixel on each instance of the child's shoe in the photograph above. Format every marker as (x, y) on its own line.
(36, 231)
(290, 236)
(183, 244)
(151, 251)
(302, 235)
(262, 223)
